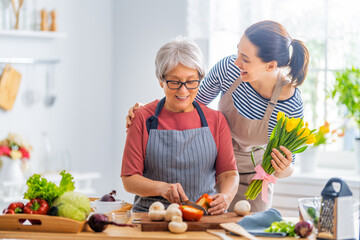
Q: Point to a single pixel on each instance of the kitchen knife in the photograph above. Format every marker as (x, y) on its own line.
(192, 204)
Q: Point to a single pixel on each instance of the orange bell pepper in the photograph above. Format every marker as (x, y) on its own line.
(190, 213)
(204, 201)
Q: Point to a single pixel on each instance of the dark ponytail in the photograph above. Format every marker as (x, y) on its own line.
(299, 62)
(274, 43)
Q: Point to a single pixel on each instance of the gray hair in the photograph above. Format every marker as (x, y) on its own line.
(179, 50)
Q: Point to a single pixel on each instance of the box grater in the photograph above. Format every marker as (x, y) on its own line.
(336, 213)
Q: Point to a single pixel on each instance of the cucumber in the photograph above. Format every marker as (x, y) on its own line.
(312, 212)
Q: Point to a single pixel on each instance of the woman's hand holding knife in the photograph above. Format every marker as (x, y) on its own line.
(175, 193)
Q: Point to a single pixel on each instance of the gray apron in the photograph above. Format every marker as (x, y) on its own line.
(186, 157)
(247, 134)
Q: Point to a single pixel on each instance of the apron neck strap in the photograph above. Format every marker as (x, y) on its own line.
(237, 82)
(275, 96)
(201, 114)
(153, 121)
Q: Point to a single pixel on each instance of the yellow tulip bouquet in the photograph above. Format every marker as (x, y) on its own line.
(288, 132)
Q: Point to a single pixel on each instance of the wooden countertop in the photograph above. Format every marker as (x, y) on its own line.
(113, 232)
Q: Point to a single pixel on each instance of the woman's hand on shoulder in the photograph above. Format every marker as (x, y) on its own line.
(174, 193)
(220, 203)
(131, 114)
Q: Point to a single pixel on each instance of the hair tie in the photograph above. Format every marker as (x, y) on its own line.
(292, 42)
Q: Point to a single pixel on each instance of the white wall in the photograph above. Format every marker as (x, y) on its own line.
(107, 64)
(142, 27)
(82, 118)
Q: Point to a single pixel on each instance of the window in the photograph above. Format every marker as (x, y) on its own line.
(331, 31)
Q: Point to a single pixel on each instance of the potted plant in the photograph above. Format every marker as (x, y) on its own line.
(347, 93)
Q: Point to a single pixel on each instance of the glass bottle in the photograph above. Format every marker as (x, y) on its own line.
(7, 15)
(47, 153)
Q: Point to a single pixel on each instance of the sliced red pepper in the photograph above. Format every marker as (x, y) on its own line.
(190, 213)
(204, 201)
(36, 206)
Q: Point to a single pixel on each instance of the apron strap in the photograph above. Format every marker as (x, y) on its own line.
(201, 114)
(274, 98)
(153, 121)
(237, 82)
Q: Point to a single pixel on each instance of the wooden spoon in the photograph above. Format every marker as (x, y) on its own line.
(17, 12)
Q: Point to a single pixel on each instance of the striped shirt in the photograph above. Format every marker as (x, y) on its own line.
(246, 100)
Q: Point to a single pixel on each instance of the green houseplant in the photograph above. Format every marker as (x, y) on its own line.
(347, 93)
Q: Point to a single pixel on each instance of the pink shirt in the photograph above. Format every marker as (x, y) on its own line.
(137, 136)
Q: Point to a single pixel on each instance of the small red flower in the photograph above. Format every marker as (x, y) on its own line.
(25, 154)
(4, 150)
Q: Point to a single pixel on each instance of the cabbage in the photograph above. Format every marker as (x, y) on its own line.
(73, 205)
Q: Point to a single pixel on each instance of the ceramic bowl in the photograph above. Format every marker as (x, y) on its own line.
(106, 207)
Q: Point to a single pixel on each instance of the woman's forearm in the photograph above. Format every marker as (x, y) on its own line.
(229, 183)
(143, 186)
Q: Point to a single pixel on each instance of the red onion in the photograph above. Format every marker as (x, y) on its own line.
(108, 197)
(303, 228)
(99, 222)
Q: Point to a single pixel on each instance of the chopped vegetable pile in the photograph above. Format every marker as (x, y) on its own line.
(282, 226)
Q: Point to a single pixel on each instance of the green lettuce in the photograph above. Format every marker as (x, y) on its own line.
(39, 187)
(73, 205)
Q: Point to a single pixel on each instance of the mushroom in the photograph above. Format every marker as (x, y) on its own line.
(156, 206)
(157, 211)
(173, 205)
(242, 207)
(177, 225)
(172, 211)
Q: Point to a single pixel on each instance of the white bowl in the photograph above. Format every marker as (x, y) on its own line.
(106, 207)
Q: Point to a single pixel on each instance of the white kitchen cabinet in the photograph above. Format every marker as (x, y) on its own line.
(301, 185)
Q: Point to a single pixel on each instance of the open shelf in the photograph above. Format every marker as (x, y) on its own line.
(29, 61)
(32, 34)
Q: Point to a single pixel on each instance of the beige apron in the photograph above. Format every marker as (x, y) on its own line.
(247, 134)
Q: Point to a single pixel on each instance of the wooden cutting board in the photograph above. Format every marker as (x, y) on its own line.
(9, 87)
(206, 222)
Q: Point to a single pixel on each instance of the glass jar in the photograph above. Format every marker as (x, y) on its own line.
(7, 15)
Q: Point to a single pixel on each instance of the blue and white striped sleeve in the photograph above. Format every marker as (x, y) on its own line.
(210, 86)
(298, 110)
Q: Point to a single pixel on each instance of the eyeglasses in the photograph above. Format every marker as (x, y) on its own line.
(193, 84)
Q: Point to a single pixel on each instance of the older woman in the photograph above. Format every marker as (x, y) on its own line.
(177, 149)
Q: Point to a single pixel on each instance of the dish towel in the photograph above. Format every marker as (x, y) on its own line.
(256, 223)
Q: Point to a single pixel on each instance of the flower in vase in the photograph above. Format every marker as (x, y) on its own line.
(15, 147)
